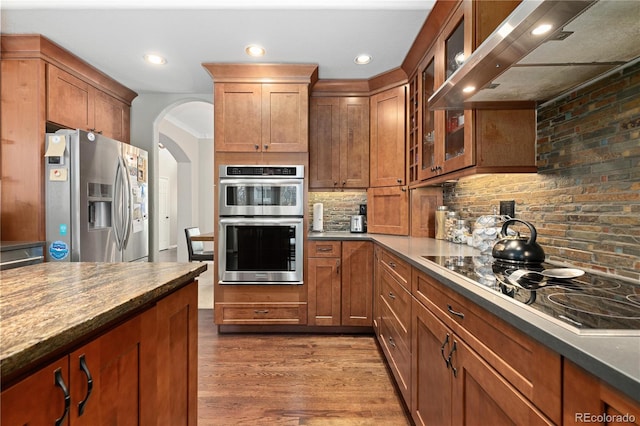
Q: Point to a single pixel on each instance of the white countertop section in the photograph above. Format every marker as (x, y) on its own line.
(615, 359)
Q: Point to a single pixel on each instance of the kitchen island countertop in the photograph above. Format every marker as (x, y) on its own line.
(613, 358)
(47, 307)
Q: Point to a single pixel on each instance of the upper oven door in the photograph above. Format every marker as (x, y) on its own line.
(261, 197)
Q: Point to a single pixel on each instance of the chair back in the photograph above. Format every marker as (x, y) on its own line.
(193, 246)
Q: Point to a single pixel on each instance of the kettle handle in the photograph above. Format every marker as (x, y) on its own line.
(532, 229)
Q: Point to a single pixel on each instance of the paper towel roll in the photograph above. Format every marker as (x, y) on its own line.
(318, 222)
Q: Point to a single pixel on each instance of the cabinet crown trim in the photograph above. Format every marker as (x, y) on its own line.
(262, 73)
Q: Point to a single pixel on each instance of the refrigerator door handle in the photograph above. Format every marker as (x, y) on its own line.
(116, 210)
(128, 208)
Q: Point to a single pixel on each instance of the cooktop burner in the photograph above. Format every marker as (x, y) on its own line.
(586, 302)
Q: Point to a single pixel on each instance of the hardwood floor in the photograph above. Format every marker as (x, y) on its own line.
(290, 379)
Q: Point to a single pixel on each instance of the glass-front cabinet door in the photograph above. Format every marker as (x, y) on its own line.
(428, 157)
(456, 45)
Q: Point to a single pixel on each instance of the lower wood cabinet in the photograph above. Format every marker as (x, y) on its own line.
(587, 400)
(340, 280)
(453, 385)
(142, 372)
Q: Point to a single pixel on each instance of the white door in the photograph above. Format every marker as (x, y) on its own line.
(165, 222)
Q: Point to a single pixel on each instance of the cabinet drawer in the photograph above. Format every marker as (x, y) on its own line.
(325, 248)
(399, 267)
(397, 298)
(285, 313)
(529, 366)
(398, 355)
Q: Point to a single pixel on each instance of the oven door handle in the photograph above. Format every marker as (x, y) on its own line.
(252, 221)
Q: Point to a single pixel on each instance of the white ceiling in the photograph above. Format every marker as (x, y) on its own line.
(113, 36)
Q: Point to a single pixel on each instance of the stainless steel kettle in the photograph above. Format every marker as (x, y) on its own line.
(517, 249)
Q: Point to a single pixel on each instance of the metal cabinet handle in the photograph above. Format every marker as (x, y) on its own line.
(455, 370)
(392, 264)
(83, 366)
(256, 146)
(456, 313)
(391, 342)
(392, 296)
(399, 180)
(266, 146)
(337, 266)
(261, 311)
(446, 360)
(59, 381)
(324, 249)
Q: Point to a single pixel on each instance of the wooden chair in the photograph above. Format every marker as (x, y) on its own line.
(196, 248)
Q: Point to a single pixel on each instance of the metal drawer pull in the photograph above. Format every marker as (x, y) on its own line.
(392, 264)
(391, 342)
(324, 248)
(82, 404)
(261, 311)
(446, 360)
(456, 313)
(455, 370)
(59, 381)
(392, 296)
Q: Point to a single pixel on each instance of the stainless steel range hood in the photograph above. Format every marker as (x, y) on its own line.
(515, 69)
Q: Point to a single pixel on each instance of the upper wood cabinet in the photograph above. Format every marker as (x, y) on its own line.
(339, 143)
(253, 116)
(388, 210)
(44, 85)
(387, 138)
(73, 103)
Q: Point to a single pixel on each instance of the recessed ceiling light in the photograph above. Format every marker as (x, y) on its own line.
(362, 59)
(155, 59)
(469, 89)
(542, 29)
(255, 50)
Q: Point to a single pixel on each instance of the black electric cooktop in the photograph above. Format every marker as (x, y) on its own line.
(586, 303)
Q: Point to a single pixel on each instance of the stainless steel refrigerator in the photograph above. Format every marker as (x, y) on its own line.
(96, 199)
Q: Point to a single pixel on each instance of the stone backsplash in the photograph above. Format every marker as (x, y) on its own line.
(338, 208)
(585, 199)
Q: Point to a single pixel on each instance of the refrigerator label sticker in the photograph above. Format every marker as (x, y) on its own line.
(56, 146)
(63, 229)
(58, 250)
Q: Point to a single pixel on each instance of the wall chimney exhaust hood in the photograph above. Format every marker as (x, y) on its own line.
(514, 68)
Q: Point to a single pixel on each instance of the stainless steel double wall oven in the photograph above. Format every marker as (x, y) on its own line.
(261, 224)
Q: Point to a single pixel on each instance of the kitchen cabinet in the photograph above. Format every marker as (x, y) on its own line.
(587, 400)
(387, 138)
(393, 302)
(499, 373)
(40, 81)
(454, 385)
(452, 143)
(99, 383)
(388, 210)
(424, 202)
(142, 371)
(260, 117)
(73, 103)
(339, 143)
(340, 280)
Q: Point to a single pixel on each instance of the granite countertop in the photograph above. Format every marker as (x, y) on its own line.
(615, 359)
(46, 307)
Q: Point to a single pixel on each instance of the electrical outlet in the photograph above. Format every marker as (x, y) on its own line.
(508, 208)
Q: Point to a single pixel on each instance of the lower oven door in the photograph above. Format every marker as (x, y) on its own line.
(262, 250)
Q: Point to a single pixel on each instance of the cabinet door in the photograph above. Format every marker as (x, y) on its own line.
(69, 100)
(324, 291)
(177, 357)
(111, 117)
(430, 142)
(423, 206)
(324, 143)
(285, 118)
(109, 376)
(431, 388)
(480, 392)
(357, 283)
(387, 125)
(585, 397)
(388, 210)
(38, 400)
(354, 142)
(238, 117)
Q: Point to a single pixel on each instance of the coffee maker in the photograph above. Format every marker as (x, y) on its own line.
(359, 221)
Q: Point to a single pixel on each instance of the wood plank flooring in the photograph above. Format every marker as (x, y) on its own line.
(289, 379)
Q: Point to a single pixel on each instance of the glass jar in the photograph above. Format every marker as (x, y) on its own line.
(450, 224)
(460, 232)
(441, 216)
